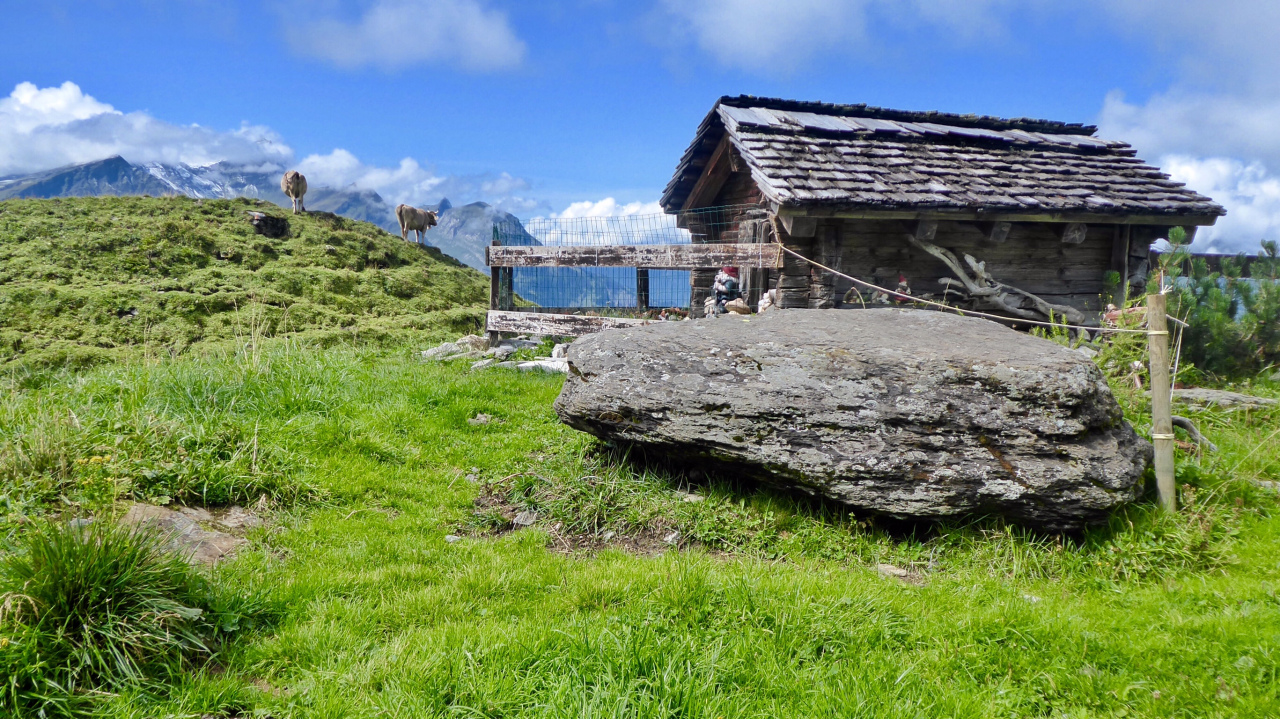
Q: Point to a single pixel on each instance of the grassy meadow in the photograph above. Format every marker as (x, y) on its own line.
(155, 350)
(88, 280)
(768, 607)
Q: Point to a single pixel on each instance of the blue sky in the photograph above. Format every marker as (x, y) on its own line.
(538, 105)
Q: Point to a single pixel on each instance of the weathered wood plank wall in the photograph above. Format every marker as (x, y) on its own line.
(1033, 258)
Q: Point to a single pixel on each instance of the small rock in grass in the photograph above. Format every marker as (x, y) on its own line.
(608, 536)
(441, 350)
(1221, 398)
(481, 364)
(480, 419)
(197, 513)
(501, 352)
(451, 538)
(474, 343)
(80, 522)
(693, 498)
(545, 365)
(672, 539)
(1031, 598)
(184, 536)
(560, 351)
(1267, 484)
(473, 478)
(239, 518)
(889, 570)
(525, 518)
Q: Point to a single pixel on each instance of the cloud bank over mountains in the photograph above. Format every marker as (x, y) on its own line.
(44, 128)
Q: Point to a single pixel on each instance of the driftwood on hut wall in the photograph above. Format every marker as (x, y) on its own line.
(986, 292)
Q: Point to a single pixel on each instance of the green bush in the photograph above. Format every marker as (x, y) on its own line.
(1233, 321)
(88, 611)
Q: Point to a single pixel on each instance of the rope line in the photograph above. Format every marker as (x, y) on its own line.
(957, 310)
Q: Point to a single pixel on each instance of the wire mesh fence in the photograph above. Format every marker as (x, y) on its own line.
(621, 290)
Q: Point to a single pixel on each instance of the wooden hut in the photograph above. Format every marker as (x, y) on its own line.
(1011, 216)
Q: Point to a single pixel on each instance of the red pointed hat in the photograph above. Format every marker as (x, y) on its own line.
(731, 271)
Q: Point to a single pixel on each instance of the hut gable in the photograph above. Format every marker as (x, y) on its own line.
(855, 160)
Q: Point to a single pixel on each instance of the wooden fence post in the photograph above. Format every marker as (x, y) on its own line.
(1161, 412)
(642, 289)
(494, 286)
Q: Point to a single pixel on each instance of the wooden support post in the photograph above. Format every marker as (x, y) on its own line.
(494, 284)
(642, 289)
(997, 233)
(1073, 233)
(700, 286)
(826, 247)
(1161, 399)
(507, 294)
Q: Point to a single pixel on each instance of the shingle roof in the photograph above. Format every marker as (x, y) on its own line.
(860, 158)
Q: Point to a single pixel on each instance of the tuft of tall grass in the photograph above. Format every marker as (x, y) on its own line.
(201, 431)
(88, 611)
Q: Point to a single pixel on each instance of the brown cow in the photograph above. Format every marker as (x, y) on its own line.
(294, 186)
(412, 219)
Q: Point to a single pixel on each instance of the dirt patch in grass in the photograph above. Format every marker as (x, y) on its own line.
(495, 514)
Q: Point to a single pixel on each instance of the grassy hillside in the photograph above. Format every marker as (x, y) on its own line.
(84, 280)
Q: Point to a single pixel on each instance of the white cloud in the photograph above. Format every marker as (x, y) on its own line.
(42, 128)
(1235, 44)
(394, 34)
(765, 34)
(608, 207)
(1192, 123)
(778, 37)
(1249, 192)
(1218, 127)
(411, 183)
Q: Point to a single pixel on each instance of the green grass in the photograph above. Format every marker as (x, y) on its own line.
(770, 607)
(90, 609)
(89, 280)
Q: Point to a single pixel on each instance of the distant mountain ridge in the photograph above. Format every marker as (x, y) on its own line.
(463, 232)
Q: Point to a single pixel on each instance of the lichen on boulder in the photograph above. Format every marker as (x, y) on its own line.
(909, 413)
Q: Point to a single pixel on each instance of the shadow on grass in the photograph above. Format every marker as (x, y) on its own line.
(627, 499)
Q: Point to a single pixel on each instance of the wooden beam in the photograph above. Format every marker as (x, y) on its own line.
(997, 232)
(976, 216)
(658, 257)
(713, 176)
(542, 323)
(799, 225)
(1119, 248)
(1073, 233)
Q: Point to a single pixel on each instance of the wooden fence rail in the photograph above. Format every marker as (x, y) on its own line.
(655, 257)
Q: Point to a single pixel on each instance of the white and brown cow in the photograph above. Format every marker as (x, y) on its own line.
(294, 186)
(413, 219)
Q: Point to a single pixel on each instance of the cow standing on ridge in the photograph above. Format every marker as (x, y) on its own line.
(413, 219)
(294, 186)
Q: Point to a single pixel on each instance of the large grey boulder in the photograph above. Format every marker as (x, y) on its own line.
(909, 413)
